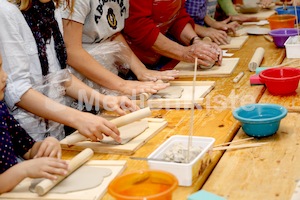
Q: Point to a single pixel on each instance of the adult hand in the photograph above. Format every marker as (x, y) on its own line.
(138, 87)
(218, 36)
(154, 75)
(50, 147)
(208, 53)
(44, 167)
(226, 25)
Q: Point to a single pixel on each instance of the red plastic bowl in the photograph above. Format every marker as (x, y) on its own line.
(281, 81)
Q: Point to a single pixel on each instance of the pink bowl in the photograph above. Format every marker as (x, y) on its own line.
(281, 81)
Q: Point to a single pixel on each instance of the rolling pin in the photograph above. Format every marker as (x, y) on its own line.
(256, 59)
(120, 121)
(44, 186)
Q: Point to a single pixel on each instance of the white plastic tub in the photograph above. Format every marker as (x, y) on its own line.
(186, 173)
(292, 47)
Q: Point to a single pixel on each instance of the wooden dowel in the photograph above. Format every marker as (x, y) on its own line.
(242, 146)
(120, 121)
(44, 186)
(287, 63)
(236, 141)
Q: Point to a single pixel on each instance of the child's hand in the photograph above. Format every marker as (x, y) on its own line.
(44, 167)
(94, 127)
(119, 104)
(50, 147)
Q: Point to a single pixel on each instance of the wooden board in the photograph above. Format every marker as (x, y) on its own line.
(155, 126)
(202, 88)
(235, 42)
(263, 14)
(226, 69)
(21, 191)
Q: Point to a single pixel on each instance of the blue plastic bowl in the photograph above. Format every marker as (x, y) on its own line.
(260, 120)
(289, 10)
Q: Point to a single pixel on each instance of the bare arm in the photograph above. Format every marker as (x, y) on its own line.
(87, 124)
(44, 167)
(140, 70)
(206, 53)
(83, 62)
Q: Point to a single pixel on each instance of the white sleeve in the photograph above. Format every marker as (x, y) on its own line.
(14, 51)
(82, 8)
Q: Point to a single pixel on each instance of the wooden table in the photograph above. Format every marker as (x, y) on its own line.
(267, 172)
(214, 119)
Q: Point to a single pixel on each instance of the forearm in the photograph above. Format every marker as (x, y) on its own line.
(79, 90)
(11, 177)
(228, 7)
(168, 48)
(187, 34)
(200, 30)
(209, 21)
(135, 64)
(84, 63)
(40, 105)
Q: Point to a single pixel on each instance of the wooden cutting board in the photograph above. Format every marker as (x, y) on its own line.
(263, 14)
(155, 126)
(21, 191)
(235, 42)
(202, 88)
(226, 69)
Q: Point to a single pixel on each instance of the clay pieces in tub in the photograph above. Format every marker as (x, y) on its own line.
(178, 153)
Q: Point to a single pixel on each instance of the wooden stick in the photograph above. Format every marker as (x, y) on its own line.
(236, 141)
(44, 186)
(120, 121)
(192, 111)
(287, 63)
(239, 146)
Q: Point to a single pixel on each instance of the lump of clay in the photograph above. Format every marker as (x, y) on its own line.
(128, 132)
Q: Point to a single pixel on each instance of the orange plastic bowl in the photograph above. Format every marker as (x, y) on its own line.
(143, 184)
(282, 21)
(281, 81)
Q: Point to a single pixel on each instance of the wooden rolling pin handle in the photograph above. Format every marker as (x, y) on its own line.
(44, 186)
(73, 138)
(120, 121)
(131, 117)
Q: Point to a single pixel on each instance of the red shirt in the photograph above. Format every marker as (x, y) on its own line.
(149, 17)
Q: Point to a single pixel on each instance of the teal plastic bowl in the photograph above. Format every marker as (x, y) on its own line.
(260, 120)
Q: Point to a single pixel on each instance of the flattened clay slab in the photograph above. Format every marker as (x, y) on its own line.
(171, 92)
(86, 177)
(128, 132)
